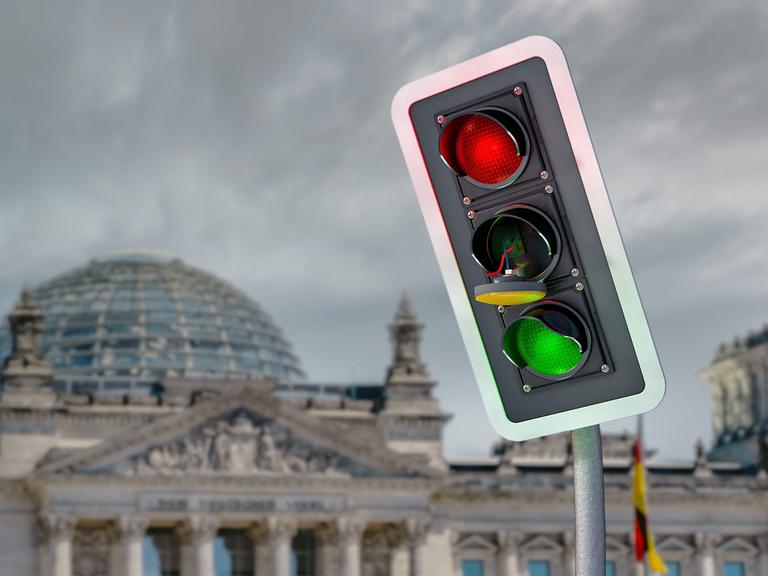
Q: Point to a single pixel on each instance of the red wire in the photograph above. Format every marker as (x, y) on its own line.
(501, 264)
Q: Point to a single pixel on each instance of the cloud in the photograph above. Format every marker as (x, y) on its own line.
(253, 140)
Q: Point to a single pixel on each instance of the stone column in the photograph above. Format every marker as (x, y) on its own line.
(350, 540)
(509, 553)
(328, 545)
(260, 536)
(197, 535)
(130, 534)
(417, 530)
(569, 553)
(705, 554)
(281, 533)
(762, 542)
(57, 532)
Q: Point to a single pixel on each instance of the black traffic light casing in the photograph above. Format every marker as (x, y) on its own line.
(505, 172)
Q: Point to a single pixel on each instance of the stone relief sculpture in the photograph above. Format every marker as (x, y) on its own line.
(243, 446)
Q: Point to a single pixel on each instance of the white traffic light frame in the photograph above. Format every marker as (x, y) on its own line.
(608, 231)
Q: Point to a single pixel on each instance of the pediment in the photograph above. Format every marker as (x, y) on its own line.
(738, 545)
(542, 544)
(247, 434)
(615, 544)
(675, 544)
(475, 542)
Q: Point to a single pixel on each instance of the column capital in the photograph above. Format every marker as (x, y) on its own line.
(197, 529)
(280, 529)
(259, 532)
(350, 529)
(53, 527)
(132, 526)
(509, 541)
(706, 542)
(417, 530)
(762, 543)
(327, 533)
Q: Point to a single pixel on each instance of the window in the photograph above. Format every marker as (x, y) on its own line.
(610, 568)
(160, 550)
(233, 554)
(303, 554)
(674, 569)
(538, 568)
(472, 568)
(734, 569)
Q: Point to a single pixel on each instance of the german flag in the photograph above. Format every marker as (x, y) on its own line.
(643, 537)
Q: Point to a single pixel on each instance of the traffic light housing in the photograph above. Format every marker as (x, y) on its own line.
(517, 211)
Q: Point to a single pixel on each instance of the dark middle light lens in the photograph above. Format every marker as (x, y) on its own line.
(488, 147)
(549, 339)
(523, 236)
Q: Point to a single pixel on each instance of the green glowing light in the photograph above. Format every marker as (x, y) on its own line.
(530, 343)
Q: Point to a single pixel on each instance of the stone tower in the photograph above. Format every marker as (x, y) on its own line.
(412, 419)
(27, 377)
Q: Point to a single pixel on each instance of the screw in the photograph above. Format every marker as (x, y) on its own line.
(544, 175)
(526, 387)
(471, 214)
(517, 91)
(575, 272)
(467, 200)
(579, 286)
(501, 309)
(441, 119)
(549, 189)
(605, 368)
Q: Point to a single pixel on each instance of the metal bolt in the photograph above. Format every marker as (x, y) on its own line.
(605, 368)
(579, 286)
(467, 200)
(441, 119)
(549, 189)
(544, 175)
(526, 387)
(471, 214)
(574, 272)
(517, 91)
(501, 309)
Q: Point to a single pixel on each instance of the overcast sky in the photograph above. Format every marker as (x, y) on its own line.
(253, 140)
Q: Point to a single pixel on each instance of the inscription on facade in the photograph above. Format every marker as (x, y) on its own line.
(240, 505)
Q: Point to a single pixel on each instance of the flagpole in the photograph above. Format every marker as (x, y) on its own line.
(640, 566)
(589, 496)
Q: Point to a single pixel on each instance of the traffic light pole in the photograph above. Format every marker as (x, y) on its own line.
(589, 498)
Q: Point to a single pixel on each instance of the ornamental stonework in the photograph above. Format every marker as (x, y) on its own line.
(242, 445)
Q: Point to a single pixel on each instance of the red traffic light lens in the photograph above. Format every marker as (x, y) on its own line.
(486, 151)
(489, 147)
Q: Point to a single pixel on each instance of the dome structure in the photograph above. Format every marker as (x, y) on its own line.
(124, 322)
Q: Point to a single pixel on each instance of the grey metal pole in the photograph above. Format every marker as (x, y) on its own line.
(589, 498)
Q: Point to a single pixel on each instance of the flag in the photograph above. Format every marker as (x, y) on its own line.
(643, 537)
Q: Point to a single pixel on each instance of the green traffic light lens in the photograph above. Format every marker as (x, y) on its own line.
(550, 340)
(545, 350)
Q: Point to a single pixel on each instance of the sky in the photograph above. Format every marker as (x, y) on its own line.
(253, 140)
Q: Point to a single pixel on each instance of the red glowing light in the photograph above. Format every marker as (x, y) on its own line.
(485, 150)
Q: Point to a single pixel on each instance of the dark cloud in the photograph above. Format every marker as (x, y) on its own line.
(253, 139)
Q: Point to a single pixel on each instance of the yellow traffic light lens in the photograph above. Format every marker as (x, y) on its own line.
(511, 298)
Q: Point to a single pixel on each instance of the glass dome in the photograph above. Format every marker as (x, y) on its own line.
(124, 322)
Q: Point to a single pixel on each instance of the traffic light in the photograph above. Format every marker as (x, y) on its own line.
(518, 214)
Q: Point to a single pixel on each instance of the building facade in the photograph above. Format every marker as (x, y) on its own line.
(153, 422)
